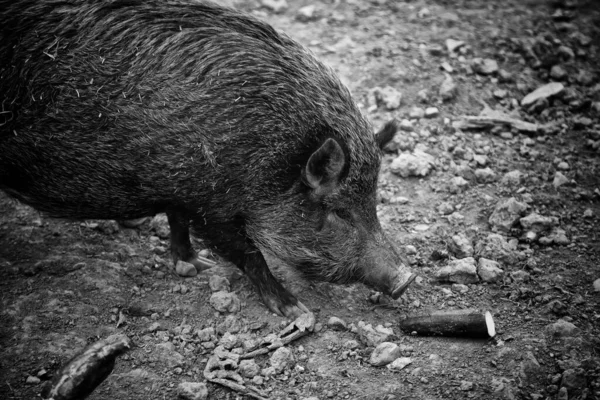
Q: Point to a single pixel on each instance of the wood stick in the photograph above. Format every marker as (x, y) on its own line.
(469, 323)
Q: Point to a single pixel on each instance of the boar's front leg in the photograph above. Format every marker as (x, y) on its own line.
(231, 242)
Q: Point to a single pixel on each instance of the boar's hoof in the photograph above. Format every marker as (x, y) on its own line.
(290, 310)
(402, 286)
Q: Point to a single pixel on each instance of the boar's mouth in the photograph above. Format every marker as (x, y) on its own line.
(401, 285)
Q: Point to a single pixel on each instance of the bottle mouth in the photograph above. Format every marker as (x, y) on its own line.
(399, 290)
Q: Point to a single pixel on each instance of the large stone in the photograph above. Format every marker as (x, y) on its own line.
(562, 328)
(281, 359)
(495, 247)
(418, 163)
(543, 92)
(373, 336)
(538, 223)
(489, 270)
(192, 391)
(225, 302)
(507, 214)
(459, 271)
(384, 354)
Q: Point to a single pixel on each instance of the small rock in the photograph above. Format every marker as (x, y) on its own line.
(277, 6)
(453, 45)
(460, 288)
(557, 236)
(538, 223)
(445, 208)
(307, 13)
(192, 391)
(337, 324)
(565, 53)
(225, 302)
(206, 334)
(461, 246)
(465, 386)
(458, 271)
(446, 67)
(384, 354)
(495, 247)
(423, 96)
(588, 213)
(585, 78)
(406, 125)
(185, 269)
(507, 214)
(543, 92)
(218, 283)
(373, 336)
(32, 380)
(574, 380)
(500, 93)
(416, 113)
(520, 276)
(559, 179)
(387, 96)
(512, 178)
(431, 112)
(557, 72)
(399, 363)
(485, 175)
(167, 353)
(448, 89)
(458, 184)
(505, 76)
(160, 225)
(563, 165)
(530, 368)
(281, 359)
(418, 163)
(489, 270)
(248, 368)
(561, 328)
(597, 285)
(485, 66)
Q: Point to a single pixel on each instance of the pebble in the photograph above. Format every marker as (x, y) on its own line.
(281, 359)
(431, 112)
(559, 179)
(416, 113)
(506, 214)
(465, 386)
(538, 223)
(277, 6)
(160, 225)
(417, 163)
(167, 353)
(423, 96)
(32, 380)
(512, 178)
(500, 93)
(307, 13)
(218, 283)
(399, 363)
(558, 72)
(458, 184)
(485, 175)
(543, 92)
(337, 324)
(597, 285)
(574, 379)
(453, 45)
(445, 208)
(406, 125)
(225, 302)
(185, 269)
(373, 336)
(248, 368)
(458, 271)
(489, 270)
(485, 66)
(505, 76)
(495, 247)
(461, 246)
(448, 89)
(386, 96)
(561, 328)
(384, 354)
(192, 391)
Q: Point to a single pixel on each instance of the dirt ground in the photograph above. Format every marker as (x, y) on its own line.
(65, 284)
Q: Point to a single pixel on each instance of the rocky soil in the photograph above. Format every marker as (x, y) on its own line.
(491, 187)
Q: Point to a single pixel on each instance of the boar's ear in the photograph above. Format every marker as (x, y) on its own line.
(324, 166)
(386, 133)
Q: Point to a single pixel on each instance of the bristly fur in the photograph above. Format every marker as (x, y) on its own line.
(124, 108)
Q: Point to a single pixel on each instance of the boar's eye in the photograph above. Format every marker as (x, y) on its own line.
(343, 214)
